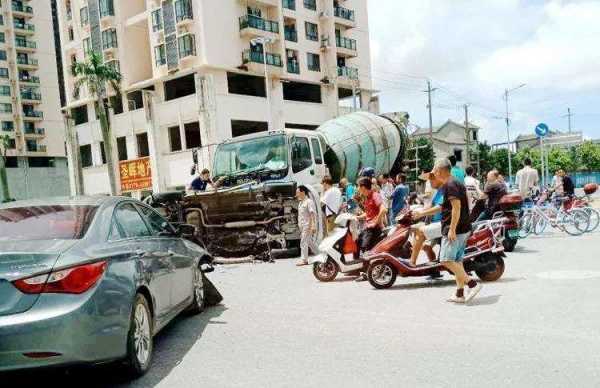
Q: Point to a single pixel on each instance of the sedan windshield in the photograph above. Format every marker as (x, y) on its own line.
(45, 222)
(265, 153)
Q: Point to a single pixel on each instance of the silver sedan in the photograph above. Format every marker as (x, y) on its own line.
(90, 280)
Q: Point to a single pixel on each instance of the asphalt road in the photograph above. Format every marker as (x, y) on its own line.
(278, 327)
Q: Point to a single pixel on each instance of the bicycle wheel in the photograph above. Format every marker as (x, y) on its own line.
(539, 225)
(576, 222)
(594, 218)
(526, 225)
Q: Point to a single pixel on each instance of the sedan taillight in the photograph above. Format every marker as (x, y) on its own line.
(74, 280)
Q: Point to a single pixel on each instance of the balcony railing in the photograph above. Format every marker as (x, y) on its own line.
(310, 4)
(183, 10)
(25, 43)
(251, 21)
(291, 35)
(35, 131)
(344, 13)
(293, 66)
(346, 43)
(31, 79)
(33, 113)
(27, 61)
(289, 4)
(29, 95)
(24, 26)
(36, 148)
(258, 57)
(19, 7)
(348, 72)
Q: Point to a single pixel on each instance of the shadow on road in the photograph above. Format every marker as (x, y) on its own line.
(521, 249)
(428, 284)
(170, 347)
(484, 300)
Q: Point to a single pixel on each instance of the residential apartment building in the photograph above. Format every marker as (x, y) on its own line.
(29, 101)
(194, 73)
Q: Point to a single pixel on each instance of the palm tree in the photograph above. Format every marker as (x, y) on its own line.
(95, 75)
(4, 141)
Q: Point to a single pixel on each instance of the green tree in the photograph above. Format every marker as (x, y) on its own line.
(588, 156)
(426, 157)
(4, 142)
(95, 76)
(560, 158)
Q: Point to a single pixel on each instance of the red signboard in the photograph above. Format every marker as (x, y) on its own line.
(135, 174)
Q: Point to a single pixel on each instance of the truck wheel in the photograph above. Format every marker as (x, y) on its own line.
(382, 275)
(494, 268)
(325, 272)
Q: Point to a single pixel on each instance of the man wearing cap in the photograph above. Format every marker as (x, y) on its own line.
(455, 230)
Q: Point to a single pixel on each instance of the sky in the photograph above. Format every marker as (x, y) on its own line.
(472, 50)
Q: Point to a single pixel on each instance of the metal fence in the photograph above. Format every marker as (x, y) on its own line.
(582, 178)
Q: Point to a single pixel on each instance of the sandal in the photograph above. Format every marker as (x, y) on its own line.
(302, 263)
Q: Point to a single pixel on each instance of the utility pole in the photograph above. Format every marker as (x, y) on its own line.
(508, 142)
(429, 91)
(569, 115)
(468, 137)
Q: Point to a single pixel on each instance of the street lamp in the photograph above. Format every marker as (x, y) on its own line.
(262, 40)
(506, 93)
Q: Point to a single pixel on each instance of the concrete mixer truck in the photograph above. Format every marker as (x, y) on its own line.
(254, 211)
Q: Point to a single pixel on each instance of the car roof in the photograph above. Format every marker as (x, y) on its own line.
(99, 200)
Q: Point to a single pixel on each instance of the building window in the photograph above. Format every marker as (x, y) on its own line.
(3, 72)
(122, 148)
(41, 162)
(186, 46)
(243, 127)
(85, 153)
(157, 23)
(248, 85)
(12, 144)
(474, 135)
(180, 87)
(135, 100)
(5, 108)
(289, 4)
(458, 155)
(107, 8)
(310, 4)
(312, 31)
(183, 10)
(4, 90)
(8, 126)
(71, 35)
(80, 114)
(160, 55)
(313, 62)
(192, 135)
(86, 46)
(116, 102)
(84, 16)
(175, 139)
(302, 92)
(2, 37)
(11, 161)
(142, 145)
(109, 38)
(2, 55)
(1, 20)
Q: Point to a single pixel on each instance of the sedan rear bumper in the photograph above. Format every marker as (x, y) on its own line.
(63, 329)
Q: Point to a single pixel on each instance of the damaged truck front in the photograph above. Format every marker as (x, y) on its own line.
(254, 211)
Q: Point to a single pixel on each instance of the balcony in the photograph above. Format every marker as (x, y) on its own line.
(260, 3)
(253, 26)
(25, 45)
(21, 10)
(310, 4)
(289, 4)
(293, 66)
(29, 79)
(33, 115)
(24, 28)
(347, 74)
(344, 16)
(27, 63)
(35, 132)
(346, 46)
(31, 97)
(183, 11)
(291, 35)
(36, 148)
(255, 60)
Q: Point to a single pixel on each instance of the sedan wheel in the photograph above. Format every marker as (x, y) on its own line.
(199, 302)
(139, 341)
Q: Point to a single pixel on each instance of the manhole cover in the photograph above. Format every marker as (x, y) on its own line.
(569, 275)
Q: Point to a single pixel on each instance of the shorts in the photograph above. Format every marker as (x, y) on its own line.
(368, 238)
(454, 250)
(432, 231)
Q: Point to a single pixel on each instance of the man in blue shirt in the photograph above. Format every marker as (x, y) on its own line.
(201, 182)
(399, 196)
(457, 172)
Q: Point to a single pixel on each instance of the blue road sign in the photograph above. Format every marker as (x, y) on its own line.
(541, 130)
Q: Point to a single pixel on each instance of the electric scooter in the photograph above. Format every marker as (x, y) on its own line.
(391, 257)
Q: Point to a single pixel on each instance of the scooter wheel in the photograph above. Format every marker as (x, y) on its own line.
(325, 272)
(382, 275)
(509, 244)
(495, 274)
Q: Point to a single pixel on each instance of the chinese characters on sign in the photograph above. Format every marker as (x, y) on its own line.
(135, 174)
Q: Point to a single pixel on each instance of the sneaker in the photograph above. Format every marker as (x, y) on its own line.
(456, 299)
(473, 292)
(361, 278)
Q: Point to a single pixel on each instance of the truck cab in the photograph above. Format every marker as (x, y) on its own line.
(283, 155)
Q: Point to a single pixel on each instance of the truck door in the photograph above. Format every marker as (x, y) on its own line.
(320, 168)
(303, 166)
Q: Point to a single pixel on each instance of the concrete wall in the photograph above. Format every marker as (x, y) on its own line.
(25, 182)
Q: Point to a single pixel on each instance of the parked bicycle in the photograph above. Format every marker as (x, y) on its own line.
(537, 217)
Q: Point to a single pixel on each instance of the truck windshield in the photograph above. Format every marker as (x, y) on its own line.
(264, 153)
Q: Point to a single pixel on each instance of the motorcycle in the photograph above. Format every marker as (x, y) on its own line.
(508, 208)
(339, 252)
(484, 254)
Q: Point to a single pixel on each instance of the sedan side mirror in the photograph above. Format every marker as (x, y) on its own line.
(185, 230)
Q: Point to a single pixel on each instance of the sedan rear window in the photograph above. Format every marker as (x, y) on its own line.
(46, 222)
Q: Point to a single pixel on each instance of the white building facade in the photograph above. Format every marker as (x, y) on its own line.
(194, 73)
(29, 100)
